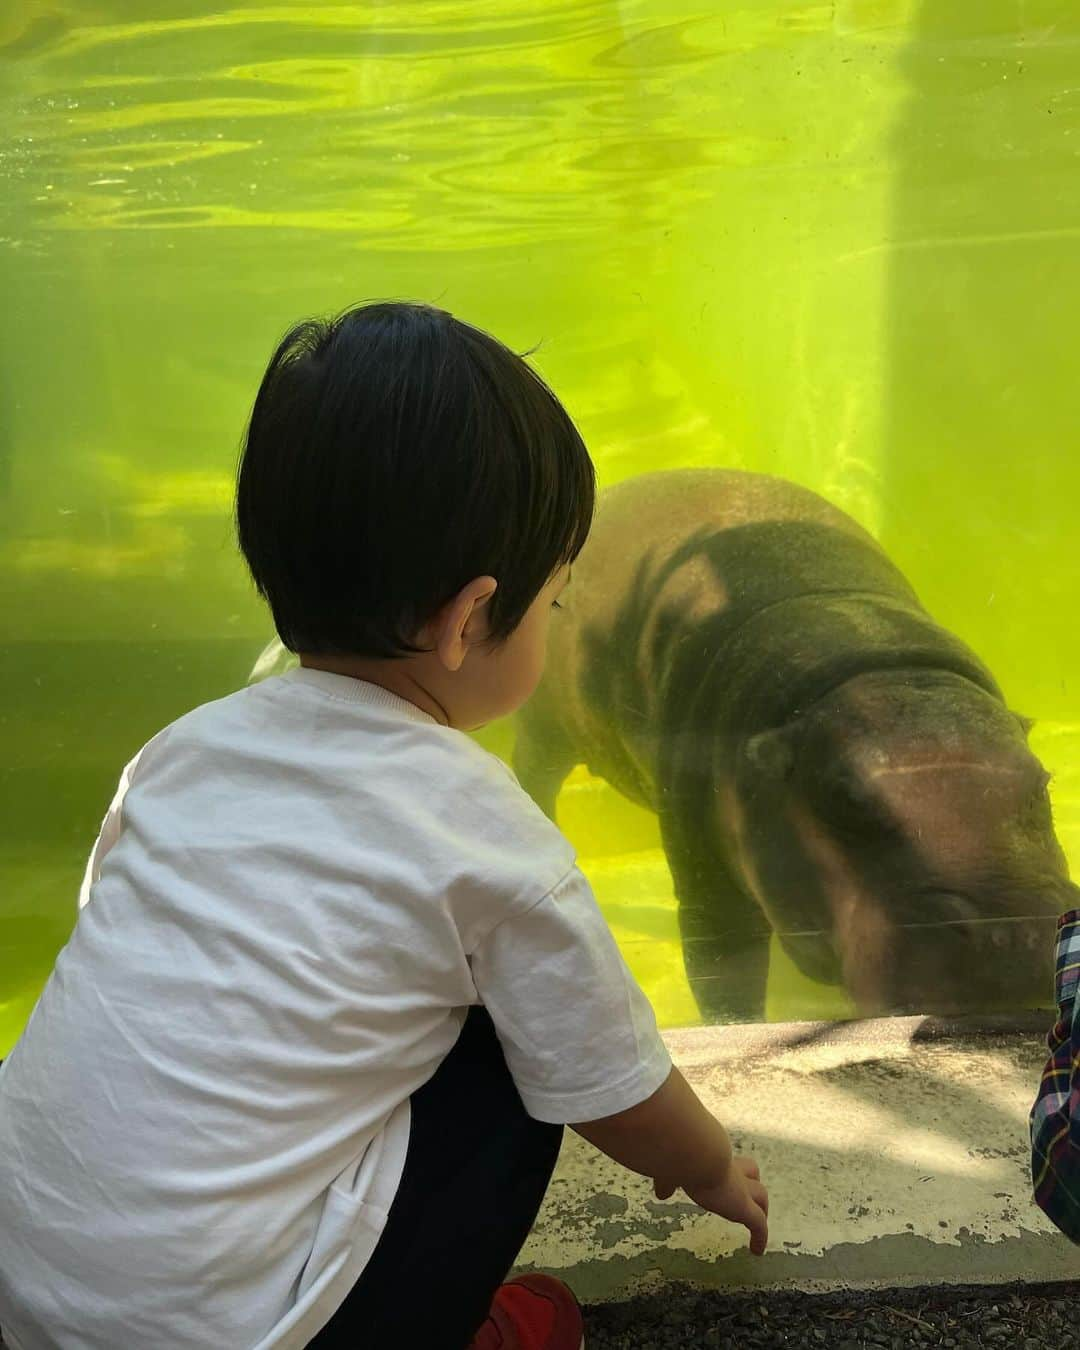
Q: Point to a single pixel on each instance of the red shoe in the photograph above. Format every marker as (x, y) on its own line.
(532, 1312)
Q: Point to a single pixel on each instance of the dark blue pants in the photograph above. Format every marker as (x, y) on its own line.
(475, 1174)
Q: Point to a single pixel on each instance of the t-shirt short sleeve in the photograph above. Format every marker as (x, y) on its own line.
(579, 1035)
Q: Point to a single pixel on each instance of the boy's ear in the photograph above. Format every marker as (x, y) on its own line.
(462, 622)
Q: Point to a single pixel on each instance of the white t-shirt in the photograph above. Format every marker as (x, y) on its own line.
(296, 894)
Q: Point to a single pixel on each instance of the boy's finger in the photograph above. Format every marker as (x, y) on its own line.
(759, 1231)
(759, 1195)
(749, 1168)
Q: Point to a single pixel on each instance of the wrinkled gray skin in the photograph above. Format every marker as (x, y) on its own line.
(827, 762)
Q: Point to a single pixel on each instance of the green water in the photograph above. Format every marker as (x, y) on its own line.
(834, 241)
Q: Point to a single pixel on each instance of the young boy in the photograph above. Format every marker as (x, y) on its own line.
(300, 1075)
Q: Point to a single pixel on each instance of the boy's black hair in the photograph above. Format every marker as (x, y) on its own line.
(393, 454)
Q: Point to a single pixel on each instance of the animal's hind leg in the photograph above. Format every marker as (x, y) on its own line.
(543, 757)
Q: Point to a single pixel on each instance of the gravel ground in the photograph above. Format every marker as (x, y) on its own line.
(1005, 1317)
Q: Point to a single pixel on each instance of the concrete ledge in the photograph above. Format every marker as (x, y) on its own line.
(895, 1151)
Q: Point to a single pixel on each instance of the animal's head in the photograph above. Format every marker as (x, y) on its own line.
(902, 826)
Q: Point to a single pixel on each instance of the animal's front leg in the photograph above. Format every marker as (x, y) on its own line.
(543, 756)
(725, 937)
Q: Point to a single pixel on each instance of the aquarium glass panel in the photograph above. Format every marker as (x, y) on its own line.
(814, 691)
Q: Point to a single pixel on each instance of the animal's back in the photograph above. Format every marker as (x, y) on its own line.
(667, 507)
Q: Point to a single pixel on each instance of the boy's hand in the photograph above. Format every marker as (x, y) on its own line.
(740, 1198)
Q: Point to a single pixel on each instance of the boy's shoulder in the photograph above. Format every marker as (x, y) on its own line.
(381, 789)
(474, 788)
(402, 754)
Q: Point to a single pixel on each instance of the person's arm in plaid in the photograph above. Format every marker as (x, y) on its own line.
(1055, 1117)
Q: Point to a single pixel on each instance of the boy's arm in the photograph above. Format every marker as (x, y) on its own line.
(1055, 1117)
(674, 1139)
(582, 1045)
(670, 1137)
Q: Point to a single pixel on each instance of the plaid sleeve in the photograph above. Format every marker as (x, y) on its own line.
(1055, 1117)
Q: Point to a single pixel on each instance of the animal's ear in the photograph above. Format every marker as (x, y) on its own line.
(770, 753)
